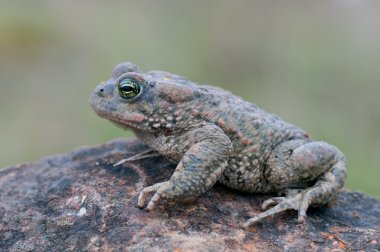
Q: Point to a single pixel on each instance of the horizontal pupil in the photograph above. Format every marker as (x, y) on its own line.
(127, 88)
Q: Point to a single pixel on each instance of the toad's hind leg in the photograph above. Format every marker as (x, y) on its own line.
(317, 167)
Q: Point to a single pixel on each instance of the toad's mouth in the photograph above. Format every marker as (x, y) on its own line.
(130, 121)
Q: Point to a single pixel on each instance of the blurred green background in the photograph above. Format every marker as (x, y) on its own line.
(314, 63)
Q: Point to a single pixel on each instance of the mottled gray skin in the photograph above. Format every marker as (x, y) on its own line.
(213, 136)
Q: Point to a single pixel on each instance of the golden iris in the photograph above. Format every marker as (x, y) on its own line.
(129, 88)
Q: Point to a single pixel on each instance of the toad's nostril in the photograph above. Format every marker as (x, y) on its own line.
(105, 89)
(101, 92)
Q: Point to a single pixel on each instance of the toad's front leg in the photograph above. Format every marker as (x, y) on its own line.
(198, 170)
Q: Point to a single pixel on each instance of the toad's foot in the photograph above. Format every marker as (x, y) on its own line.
(144, 195)
(299, 202)
(164, 192)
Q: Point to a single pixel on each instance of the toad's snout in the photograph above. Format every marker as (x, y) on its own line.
(101, 98)
(104, 90)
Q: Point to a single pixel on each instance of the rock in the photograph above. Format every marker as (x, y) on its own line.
(80, 201)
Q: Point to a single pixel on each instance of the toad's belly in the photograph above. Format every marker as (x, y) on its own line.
(245, 176)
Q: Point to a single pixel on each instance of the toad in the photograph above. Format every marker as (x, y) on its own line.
(215, 136)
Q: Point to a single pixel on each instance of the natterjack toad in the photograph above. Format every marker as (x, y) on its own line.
(215, 136)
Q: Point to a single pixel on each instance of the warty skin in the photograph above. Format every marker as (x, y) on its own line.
(215, 136)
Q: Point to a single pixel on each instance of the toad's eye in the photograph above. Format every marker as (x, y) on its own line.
(129, 88)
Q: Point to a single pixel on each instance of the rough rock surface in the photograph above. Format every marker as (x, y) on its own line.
(79, 201)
